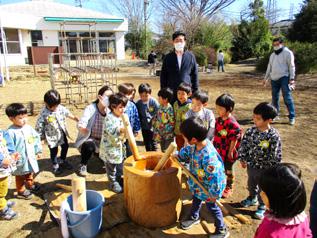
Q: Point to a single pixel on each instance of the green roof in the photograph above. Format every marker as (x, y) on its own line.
(72, 19)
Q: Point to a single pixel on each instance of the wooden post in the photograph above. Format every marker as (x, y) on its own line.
(131, 137)
(165, 157)
(79, 194)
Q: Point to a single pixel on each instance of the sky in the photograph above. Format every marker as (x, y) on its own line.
(233, 11)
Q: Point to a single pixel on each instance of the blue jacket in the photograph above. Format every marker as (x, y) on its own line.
(146, 112)
(172, 76)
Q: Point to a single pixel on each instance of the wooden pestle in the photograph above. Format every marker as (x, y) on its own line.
(79, 194)
(224, 210)
(166, 156)
(131, 138)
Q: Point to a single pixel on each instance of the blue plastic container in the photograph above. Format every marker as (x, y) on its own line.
(86, 224)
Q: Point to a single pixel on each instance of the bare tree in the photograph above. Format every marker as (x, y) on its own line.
(190, 13)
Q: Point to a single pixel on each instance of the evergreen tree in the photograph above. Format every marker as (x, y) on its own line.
(304, 28)
(253, 36)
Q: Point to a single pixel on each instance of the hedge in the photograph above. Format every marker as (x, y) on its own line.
(305, 57)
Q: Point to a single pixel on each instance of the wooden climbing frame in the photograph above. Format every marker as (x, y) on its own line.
(79, 76)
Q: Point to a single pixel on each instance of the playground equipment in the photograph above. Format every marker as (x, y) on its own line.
(79, 76)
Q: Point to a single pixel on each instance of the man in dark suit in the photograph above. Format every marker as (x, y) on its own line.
(179, 66)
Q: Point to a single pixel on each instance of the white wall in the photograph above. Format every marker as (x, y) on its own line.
(19, 59)
(120, 45)
(50, 38)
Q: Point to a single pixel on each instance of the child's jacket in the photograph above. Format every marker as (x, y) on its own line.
(296, 227)
(132, 112)
(261, 149)
(52, 125)
(163, 123)
(180, 111)
(6, 149)
(27, 143)
(146, 112)
(227, 131)
(207, 166)
(112, 147)
(208, 117)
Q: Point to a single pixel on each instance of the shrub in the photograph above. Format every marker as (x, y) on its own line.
(305, 57)
(200, 53)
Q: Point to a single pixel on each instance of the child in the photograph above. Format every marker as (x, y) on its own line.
(51, 125)
(260, 149)
(163, 121)
(8, 158)
(27, 143)
(284, 195)
(112, 147)
(207, 166)
(181, 107)
(227, 137)
(133, 92)
(313, 209)
(131, 110)
(147, 108)
(199, 103)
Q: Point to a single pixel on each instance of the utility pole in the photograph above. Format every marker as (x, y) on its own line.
(291, 11)
(271, 10)
(146, 3)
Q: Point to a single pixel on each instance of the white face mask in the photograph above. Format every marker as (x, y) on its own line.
(277, 47)
(179, 46)
(105, 101)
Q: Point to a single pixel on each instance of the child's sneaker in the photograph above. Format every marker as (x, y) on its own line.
(10, 203)
(227, 192)
(8, 214)
(116, 188)
(220, 233)
(56, 169)
(27, 195)
(259, 213)
(185, 225)
(249, 201)
(66, 165)
(83, 170)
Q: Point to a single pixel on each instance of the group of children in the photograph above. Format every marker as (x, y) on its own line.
(209, 146)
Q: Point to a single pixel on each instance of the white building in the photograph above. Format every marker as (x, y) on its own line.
(47, 23)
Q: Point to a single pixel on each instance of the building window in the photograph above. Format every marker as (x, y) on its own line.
(12, 39)
(106, 34)
(36, 38)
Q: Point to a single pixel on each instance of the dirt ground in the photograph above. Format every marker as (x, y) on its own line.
(299, 141)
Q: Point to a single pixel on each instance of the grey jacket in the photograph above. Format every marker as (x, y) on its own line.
(281, 65)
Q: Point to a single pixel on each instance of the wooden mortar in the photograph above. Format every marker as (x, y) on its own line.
(152, 198)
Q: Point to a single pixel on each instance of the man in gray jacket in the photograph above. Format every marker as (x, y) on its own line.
(281, 72)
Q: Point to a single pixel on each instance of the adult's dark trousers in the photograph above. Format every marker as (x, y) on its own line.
(150, 144)
(87, 150)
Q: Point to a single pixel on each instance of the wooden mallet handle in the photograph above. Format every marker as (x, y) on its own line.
(189, 174)
(165, 156)
(131, 137)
